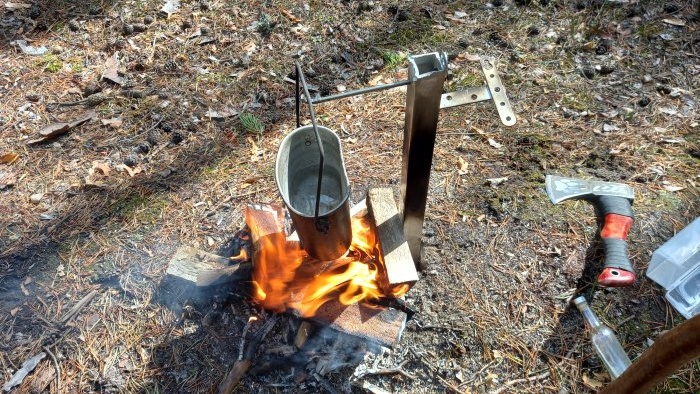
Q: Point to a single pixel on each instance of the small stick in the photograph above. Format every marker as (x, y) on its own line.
(232, 197)
(58, 369)
(80, 305)
(449, 385)
(389, 371)
(522, 380)
(243, 335)
(241, 366)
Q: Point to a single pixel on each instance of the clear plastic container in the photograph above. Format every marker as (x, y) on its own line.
(684, 295)
(676, 267)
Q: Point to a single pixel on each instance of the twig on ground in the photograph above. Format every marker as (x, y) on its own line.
(371, 388)
(325, 383)
(476, 375)
(449, 385)
(57, 367)
(230, 198)
(518, 381)
(389, 371)
(240, 367)
(432, 368)
(80, 305)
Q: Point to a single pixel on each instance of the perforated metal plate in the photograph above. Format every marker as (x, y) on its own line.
(498, 91)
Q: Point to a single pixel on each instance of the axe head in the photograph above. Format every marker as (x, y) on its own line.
(561, 188)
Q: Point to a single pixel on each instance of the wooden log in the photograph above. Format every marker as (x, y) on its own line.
(264, 220)
(372, 322)
(394, 253)
(203, 268)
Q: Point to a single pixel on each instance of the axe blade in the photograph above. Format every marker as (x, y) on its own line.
(562, 188)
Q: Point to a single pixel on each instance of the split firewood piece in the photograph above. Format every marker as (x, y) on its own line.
(264, 220)
(400, 270)
(373, 322)
(204, 269)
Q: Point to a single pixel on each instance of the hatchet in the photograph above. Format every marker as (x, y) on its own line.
(614, 202)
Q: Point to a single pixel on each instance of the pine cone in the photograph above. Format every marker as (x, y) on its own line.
(170, 65)
(127, 29)
(139, 27)
(73, 25)
(95, 99)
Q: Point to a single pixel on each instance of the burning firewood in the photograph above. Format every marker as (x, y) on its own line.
(206, 269)
(246, 353)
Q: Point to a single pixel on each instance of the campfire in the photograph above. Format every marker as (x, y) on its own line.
(285, 277)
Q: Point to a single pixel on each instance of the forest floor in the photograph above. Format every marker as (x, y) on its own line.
(186, 114)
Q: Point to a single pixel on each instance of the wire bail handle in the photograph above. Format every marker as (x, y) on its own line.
(322, 224)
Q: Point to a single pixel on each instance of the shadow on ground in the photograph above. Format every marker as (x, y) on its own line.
(41, 17)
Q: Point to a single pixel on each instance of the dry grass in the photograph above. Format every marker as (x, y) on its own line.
(502, 261)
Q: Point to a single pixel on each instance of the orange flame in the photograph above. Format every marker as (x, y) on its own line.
(286, 277)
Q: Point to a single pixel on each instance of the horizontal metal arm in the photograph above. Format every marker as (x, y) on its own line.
(357, 92)
(462, 97)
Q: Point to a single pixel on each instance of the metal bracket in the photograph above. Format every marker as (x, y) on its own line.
(424, 101)
(494, 91)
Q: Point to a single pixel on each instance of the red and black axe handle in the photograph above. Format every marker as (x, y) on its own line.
(617, 221)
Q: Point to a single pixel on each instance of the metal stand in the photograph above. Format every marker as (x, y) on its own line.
(427, 74)
(424, 100)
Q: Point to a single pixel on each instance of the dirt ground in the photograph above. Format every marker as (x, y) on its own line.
(189, 109)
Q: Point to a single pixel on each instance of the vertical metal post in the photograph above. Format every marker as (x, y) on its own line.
(427, 75)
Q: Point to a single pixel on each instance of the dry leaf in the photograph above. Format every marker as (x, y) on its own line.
(102, 167)
(114, 123)
(111, 72)
(14, 311)
(9, 158)
(467, 57)
(7, 179)
(674, 21)
(376, 80)
(250, 48)
(495, 144)
(673, 188)
(592, 382)
(290, 16)
(477, 130)
(16, 6)
(255, 152)
(497, 181)
(463, 166)
(170, 7)
(56, 129)
(129, 170)
(225, 112)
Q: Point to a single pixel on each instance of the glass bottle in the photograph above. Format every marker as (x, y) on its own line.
(604, 341)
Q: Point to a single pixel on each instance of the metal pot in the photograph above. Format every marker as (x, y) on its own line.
(317, 198)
